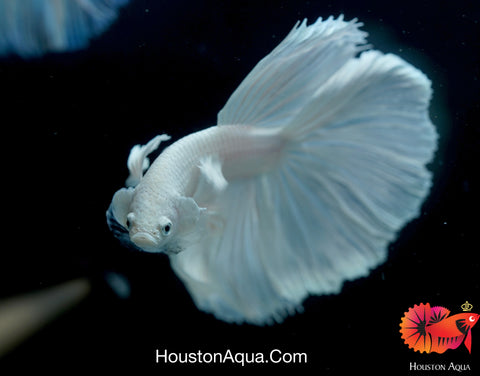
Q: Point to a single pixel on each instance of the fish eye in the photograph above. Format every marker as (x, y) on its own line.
(471, 318)
(129, 220)
(167, 228)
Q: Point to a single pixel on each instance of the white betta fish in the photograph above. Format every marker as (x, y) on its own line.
(317, 161)
(31, 28)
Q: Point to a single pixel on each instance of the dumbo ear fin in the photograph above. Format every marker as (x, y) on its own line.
(119, 208)
(211, 182)
(198, 220)
(188, 212)
(138, 162)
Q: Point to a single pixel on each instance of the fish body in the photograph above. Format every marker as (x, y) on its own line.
(241, 151)
(452, 331)
(431, 329)
(317, 160)
(197, 166)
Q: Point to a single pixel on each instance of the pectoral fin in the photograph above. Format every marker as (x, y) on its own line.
(211, 182)
(468, 341)
(189, 212)
(120, 206)
(117, 214)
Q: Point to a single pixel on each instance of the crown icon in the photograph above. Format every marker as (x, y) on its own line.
(466, 307)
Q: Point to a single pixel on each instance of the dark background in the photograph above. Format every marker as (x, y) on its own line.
(70, 120)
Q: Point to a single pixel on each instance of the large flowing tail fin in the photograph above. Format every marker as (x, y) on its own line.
(362, 143)
(353, 173)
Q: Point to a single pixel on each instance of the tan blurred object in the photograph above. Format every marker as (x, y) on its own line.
(22, 316)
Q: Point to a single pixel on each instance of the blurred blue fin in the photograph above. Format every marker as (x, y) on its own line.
(31, 28)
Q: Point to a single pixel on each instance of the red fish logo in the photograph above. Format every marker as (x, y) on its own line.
(431, 329)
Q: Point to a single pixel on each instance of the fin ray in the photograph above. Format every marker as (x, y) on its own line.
(281, 83)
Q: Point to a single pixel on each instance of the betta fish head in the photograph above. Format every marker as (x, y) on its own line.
(465, 324)
(155, 225)
(471, 319)
(466, 321)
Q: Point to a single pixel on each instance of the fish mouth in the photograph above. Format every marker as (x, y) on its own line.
(146, 241)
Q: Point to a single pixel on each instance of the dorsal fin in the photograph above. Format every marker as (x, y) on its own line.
(138, 162)
(437, 314)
